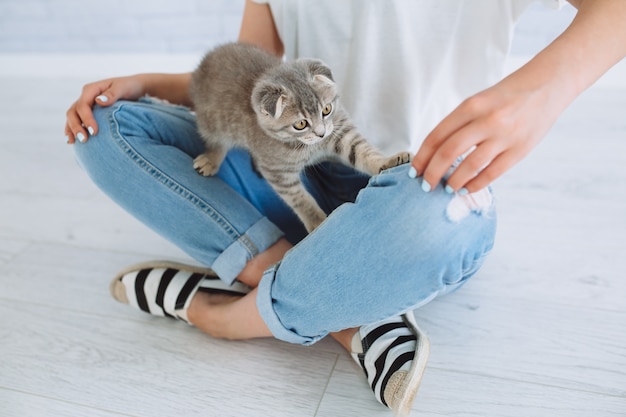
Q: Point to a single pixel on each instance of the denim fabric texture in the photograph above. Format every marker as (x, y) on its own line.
(387, 247)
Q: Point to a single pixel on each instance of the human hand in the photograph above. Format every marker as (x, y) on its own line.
(80, 123)
(496, 128)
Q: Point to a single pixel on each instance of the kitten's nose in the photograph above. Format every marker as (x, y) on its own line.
(320, 131)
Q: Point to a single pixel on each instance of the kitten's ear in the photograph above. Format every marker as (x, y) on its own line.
(279, 106)
(269, 99)
(323, 79)
(319, 70)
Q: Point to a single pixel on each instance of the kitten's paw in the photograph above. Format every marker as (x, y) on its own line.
(312, 226)
(398, 159)
(312, 222)
(204, 165)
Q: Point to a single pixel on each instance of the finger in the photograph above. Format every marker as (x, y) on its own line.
(100, 93)
(446, 155)
(85, 114)
(472, 165)
(69, 136)
(75, 126)
(431, 145)
(108, 92)
(454, 122)
(493, 171)
(106, 98)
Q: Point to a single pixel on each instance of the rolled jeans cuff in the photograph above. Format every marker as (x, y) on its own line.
(266, 310)
(258, 238)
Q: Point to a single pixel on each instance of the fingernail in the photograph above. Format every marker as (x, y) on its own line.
(463, 191)
(412, 173)
(81, 137)
(449, 189)
(425, 186)
(90, 130)
(103, 98)
(67, 139)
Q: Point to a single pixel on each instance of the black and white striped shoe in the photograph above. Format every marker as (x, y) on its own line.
(393, 353)
(163, 288)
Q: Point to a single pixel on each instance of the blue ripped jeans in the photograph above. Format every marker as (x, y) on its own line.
(386, 248)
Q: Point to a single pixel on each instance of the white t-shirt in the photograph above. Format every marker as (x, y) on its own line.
(402, 65)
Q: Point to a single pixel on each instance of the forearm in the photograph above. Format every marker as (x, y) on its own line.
(503, 123)
(591, 45)
(258, 28)
(171, 87)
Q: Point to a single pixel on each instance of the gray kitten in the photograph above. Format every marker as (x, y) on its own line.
(286, 114)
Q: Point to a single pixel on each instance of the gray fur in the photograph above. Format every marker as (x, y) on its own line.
(247, 98)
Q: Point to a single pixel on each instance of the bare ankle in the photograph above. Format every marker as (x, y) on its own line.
(344, 337)
(199, 308)
(228, 317)
(254, 269)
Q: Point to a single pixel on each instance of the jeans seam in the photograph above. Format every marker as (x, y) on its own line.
(167, 181)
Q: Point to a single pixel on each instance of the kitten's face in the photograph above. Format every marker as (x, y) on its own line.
(298, 107)
(309, 121)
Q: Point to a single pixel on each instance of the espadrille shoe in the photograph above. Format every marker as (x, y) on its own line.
(393, 354)
(163, 288)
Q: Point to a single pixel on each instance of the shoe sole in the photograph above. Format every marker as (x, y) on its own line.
(414, 376)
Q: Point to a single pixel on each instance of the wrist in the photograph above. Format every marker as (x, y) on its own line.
(171, 87)
(547, 78)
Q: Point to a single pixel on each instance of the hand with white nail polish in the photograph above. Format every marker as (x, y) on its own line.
(497, 127)
(494, 129)
(80, 123)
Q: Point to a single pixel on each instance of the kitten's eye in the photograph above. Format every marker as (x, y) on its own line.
(300, 124)
(326, 110)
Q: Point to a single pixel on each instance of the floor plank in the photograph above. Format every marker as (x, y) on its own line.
(541, 330)
(581, 348)
(152, 367)
(453, 393)
(15, 403)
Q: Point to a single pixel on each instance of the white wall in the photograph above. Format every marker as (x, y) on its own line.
(102, 38)
(168, 26)
(114, 26)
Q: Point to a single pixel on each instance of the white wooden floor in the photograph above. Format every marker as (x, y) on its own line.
(540, 331)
